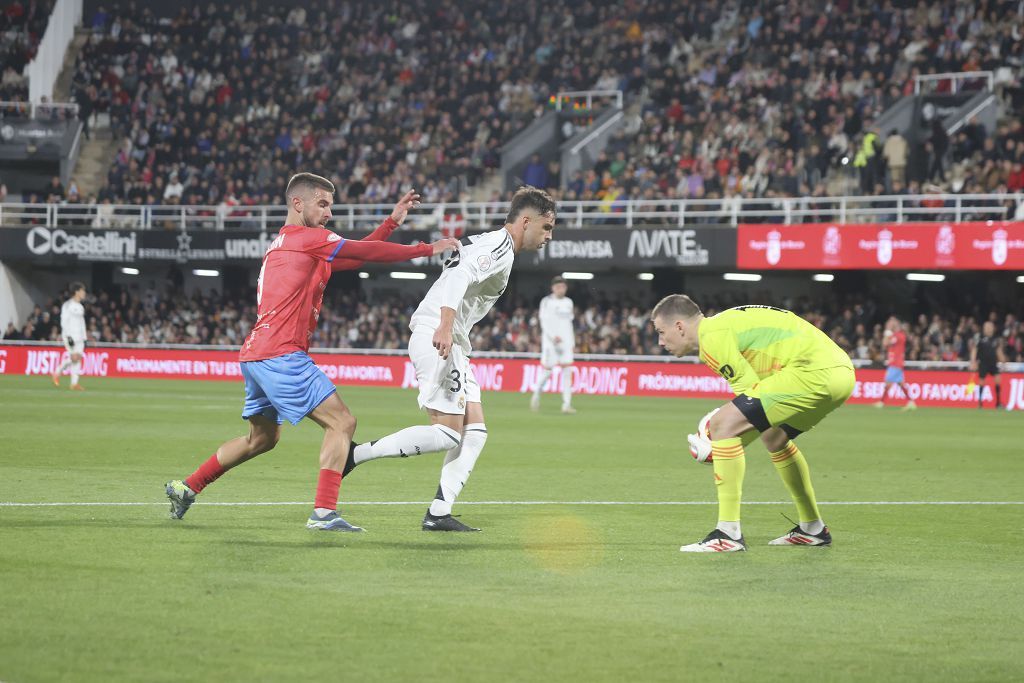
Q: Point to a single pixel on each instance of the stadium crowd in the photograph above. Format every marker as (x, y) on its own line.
(783, 104)
(734, 99)
(603, 326)
(378, 96)
(22, 25)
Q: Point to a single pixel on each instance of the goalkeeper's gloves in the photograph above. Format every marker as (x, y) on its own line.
(700, 448)
(700, 443)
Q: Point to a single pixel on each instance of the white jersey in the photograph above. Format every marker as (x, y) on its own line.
(486, 259)
(72, 321)
(556, 316)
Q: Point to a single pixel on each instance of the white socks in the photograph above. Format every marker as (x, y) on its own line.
(458, 465)
(76, 372)
(731, 528)
(409, 441)
(566, 387)
(566, 379)
(544, 377)
(813, 527)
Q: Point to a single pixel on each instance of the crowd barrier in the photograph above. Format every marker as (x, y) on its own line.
(516, 373)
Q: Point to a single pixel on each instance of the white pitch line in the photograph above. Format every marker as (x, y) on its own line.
(527, 502)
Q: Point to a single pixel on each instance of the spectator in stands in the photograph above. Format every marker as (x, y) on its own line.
(535, 174)
(895, 152)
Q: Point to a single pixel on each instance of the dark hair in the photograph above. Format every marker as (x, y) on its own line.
(528, 197)
(75, 286)
(305, 182)
(675, 306)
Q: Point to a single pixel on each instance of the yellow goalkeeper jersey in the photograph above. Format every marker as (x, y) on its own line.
(748, 343)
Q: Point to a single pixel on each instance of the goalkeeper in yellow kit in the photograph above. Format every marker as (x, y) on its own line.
(787, 375)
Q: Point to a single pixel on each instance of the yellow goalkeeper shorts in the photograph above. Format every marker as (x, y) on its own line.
(802, 398)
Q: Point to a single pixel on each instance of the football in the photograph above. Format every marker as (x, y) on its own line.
(700, 443)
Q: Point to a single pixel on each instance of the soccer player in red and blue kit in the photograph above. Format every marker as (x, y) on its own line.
(895, 343)
(281, 381)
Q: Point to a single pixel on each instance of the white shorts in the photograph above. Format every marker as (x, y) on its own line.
(446, 385)
(552, 354)
(78, 345)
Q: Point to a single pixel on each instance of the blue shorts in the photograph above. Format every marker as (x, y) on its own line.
(893, 375)
(284, 388)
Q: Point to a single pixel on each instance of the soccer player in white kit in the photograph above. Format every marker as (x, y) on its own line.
(557, 342)
(439, 348)
(72, 331)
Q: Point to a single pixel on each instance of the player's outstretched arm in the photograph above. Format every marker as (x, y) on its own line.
(382, 232)
(357, 252)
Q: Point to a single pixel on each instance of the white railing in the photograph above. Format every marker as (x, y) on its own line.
(587, 96)
(475, 216)
(39, 110)
(44, 69)
(957, 80)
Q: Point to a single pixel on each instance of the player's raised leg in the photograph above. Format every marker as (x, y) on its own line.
(264, 433)
(441, 435)
(338, 424)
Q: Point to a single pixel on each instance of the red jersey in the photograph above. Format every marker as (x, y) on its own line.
(897, 350)
(295, 271)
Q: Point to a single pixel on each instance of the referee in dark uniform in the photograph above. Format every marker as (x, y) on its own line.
(986, 356)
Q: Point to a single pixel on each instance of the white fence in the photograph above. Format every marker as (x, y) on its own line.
(475, 216)
(956, 79)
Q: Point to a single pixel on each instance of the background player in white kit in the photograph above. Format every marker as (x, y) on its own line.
(72, 331)
(558, 339)
(439, 348)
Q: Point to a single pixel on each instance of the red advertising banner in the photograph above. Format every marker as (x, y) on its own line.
(604, 378)
(989, 245)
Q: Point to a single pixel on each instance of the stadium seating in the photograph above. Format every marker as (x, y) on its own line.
(381, 96)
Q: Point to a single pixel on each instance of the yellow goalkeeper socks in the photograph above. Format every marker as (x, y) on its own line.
(796, 475)
(730, 465)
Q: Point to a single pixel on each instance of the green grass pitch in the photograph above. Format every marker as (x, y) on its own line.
(547, 592)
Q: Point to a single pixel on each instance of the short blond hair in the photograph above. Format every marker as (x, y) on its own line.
(675, 307)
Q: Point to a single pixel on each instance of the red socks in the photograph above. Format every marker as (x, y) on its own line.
(206, 474)
(327, 487)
